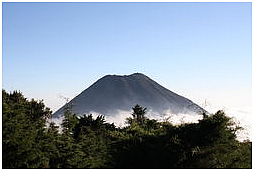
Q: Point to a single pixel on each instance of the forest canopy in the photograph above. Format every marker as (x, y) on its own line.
(30, 140)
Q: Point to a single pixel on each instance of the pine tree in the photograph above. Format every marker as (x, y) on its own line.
(23, 130)
(69, 121)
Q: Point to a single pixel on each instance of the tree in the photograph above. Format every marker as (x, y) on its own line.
(69, 121)
(138, 115)
(91, 136)
(23, 129)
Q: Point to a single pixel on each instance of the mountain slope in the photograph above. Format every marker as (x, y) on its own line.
(114, 92)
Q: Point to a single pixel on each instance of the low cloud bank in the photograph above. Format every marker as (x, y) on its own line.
(240, 117)
(243, 118)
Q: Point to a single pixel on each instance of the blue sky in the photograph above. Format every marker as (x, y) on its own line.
(199, 50)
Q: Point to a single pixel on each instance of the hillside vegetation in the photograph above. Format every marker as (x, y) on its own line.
(29, 140)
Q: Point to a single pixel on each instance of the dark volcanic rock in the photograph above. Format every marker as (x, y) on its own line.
(114, 92)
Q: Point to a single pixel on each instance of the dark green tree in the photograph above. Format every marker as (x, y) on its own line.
(138, 116)
(23, 129)
(69, 121)
(50, 145)
(92, 137)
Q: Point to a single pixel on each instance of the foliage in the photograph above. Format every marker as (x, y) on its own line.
(23, 128)
(87, 142)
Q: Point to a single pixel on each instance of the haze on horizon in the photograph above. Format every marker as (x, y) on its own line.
(201, 51)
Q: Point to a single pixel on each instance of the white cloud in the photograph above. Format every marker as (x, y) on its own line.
(240, 116)
(243, 117)
(57, 121)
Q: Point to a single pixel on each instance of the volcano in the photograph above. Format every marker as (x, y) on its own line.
(112, 93)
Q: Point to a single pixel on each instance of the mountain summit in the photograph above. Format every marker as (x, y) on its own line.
(114, 92)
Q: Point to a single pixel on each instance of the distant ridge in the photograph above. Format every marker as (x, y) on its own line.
(116, 92)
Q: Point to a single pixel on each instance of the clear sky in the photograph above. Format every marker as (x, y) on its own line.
(202, 51)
